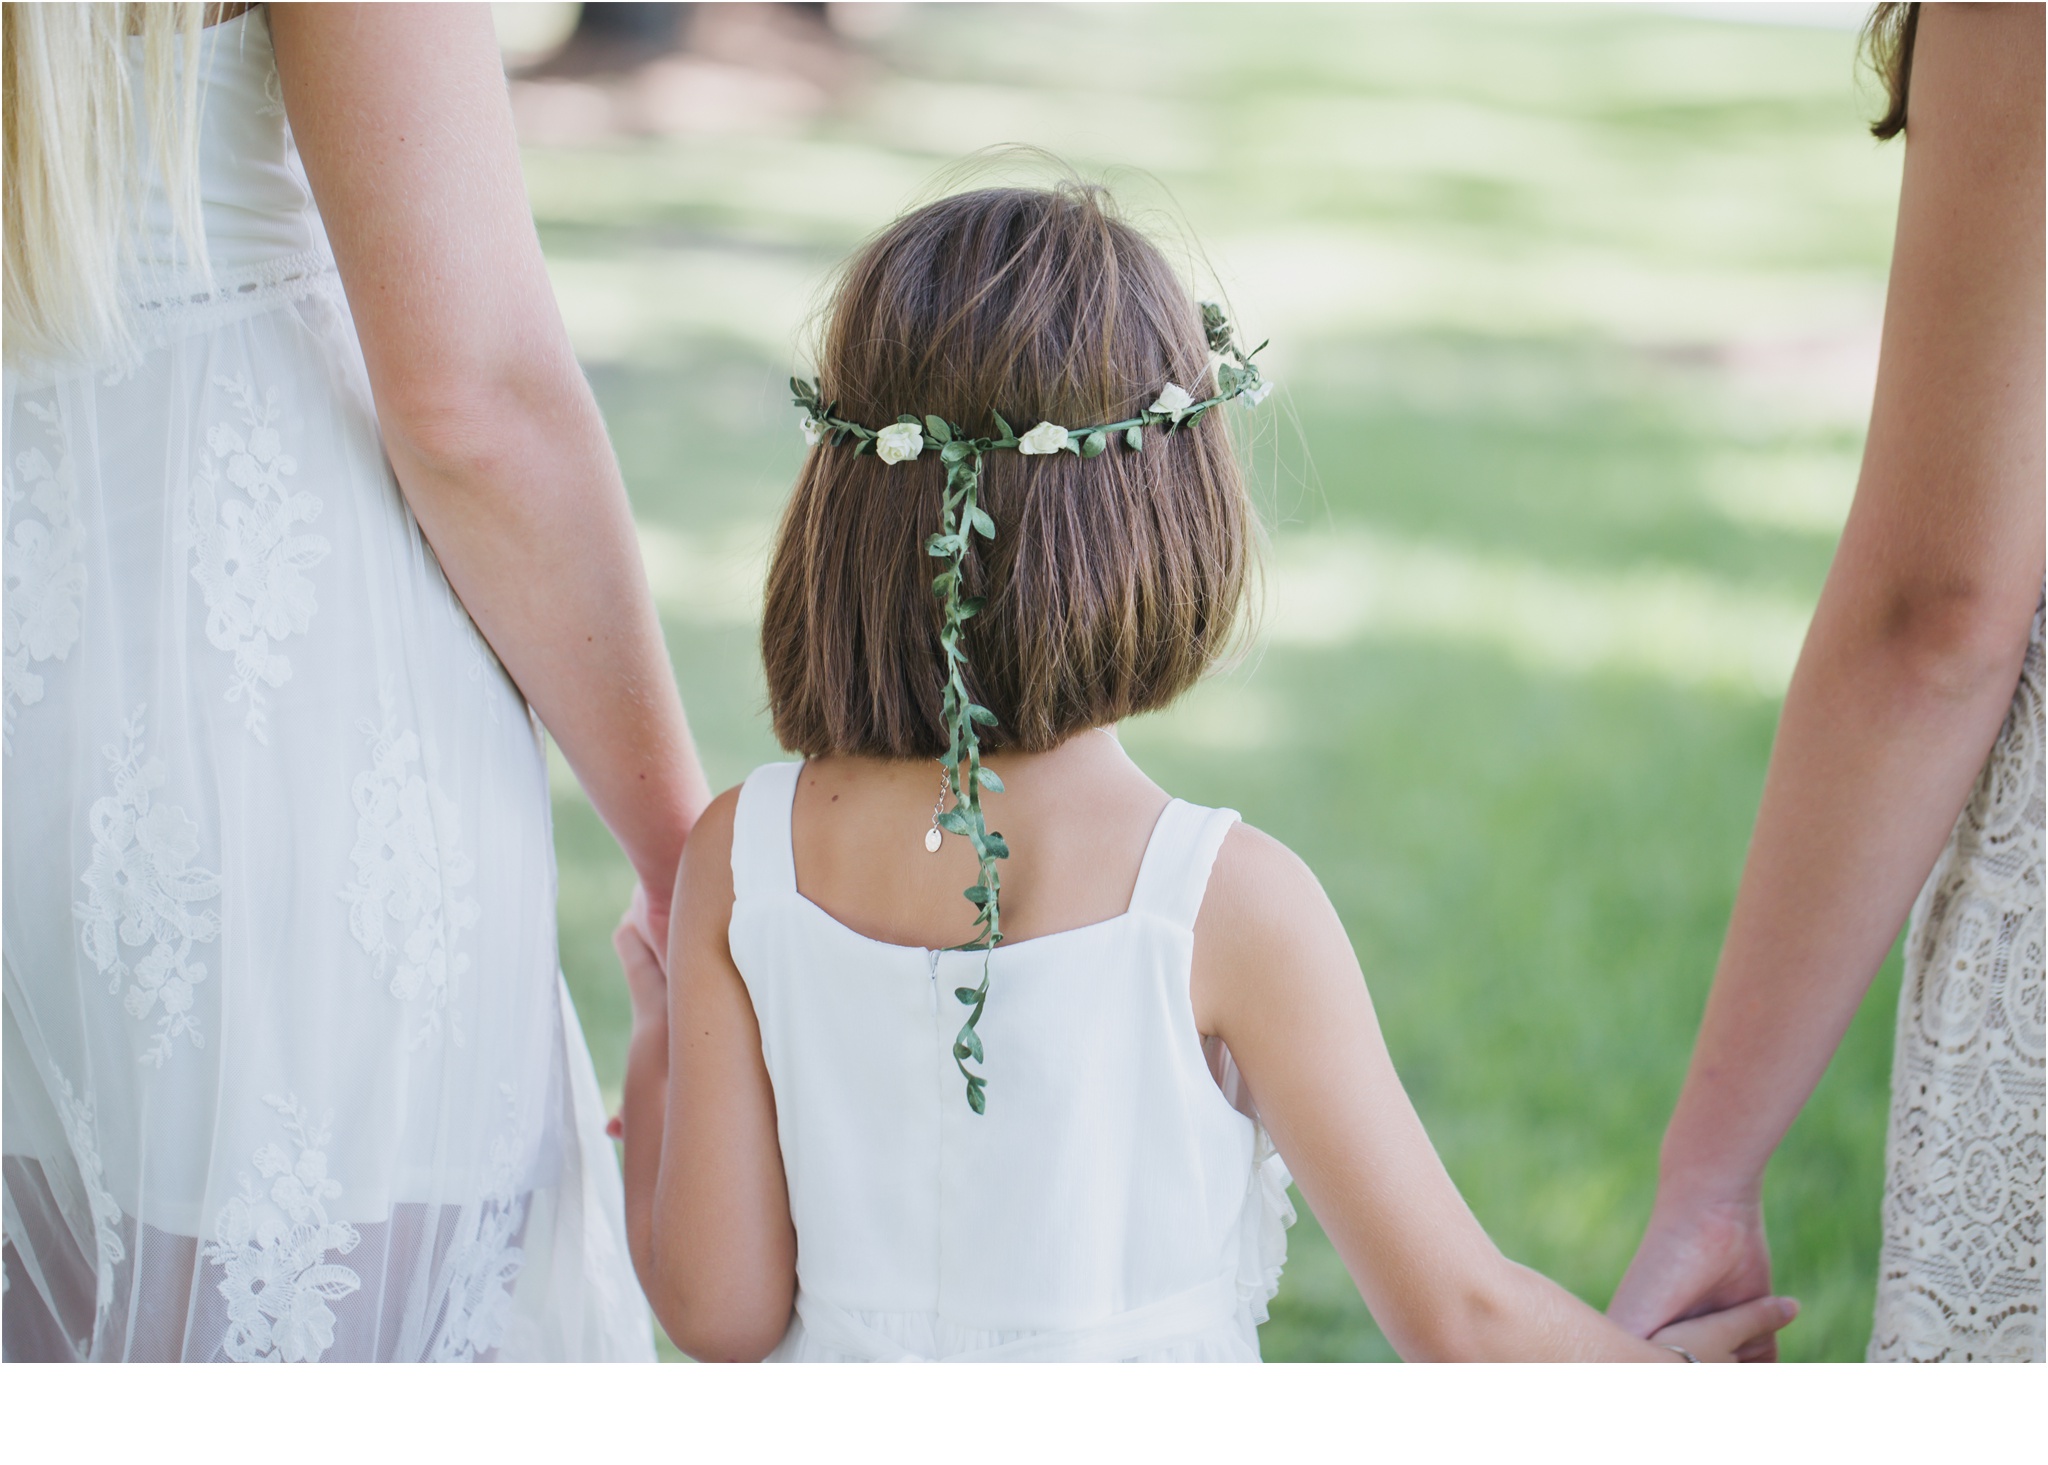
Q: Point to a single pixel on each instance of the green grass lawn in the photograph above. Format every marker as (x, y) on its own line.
(1574, 311)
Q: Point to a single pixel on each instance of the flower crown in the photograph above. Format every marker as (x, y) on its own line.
(1237, 376)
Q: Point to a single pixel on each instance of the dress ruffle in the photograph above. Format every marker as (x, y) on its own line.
(1262, 1234)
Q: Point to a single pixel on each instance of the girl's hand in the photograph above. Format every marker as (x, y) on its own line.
(1697, 1258)
(645, 980)
(1731, 1336)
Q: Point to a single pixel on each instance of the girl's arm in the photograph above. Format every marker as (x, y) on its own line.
(698, 1104)
(1276, 979)
(1909, 666)
(707, 1206)
(402, 118)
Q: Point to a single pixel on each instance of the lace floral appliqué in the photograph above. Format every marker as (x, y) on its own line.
(410, 869)
(81, 1129)
(483, 1265)
(272, 1241)
(1960, 1271)
(141, 888)
(45, 582)
(252, 552)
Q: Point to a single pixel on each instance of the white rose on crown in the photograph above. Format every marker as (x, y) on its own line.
(1173, 401)
(899, 442)
(1257, 394)
(814, 430)
(1047, 437)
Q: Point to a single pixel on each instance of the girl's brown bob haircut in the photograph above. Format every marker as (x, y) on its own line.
(1113, 583)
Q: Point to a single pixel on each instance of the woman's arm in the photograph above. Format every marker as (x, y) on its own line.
(707, 1207)
(401, 115)
(1276, 979)
(1910, 663)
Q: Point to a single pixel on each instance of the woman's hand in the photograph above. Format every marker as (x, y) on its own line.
(1735, 1335)
(1696, 1258)
(647, 914)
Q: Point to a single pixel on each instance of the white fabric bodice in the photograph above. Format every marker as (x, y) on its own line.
(255, 203)
(1111, 1202)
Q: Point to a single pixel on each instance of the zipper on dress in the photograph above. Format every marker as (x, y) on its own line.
(938, 1131)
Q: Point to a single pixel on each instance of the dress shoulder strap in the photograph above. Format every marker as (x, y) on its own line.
(763, 859)
(1175, 872)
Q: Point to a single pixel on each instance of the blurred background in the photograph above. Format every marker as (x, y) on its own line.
(1575, 311)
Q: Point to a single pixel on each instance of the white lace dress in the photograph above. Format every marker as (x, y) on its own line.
(290, 1071)
(1110, 1205)
(1960, 1276)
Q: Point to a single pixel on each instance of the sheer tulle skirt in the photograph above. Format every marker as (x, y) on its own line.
(290, 1072)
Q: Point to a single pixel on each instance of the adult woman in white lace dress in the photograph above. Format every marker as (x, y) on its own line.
(1931, 614)
(290, 1070)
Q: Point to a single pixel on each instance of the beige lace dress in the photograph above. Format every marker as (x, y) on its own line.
(1960, 1276)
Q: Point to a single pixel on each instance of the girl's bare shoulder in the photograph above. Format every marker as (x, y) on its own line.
(1264, 912)
(706, 868)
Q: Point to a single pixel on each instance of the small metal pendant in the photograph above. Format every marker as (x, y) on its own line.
(932, 838)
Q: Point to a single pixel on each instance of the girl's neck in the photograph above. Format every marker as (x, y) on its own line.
(1077, 818)
(1097, 749)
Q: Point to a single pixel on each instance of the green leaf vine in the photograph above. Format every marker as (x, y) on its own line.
(962, 519)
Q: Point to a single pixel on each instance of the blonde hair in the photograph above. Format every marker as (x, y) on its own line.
(75, 182)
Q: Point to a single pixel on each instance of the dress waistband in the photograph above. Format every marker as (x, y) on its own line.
(1122, 1335)
(159, 315)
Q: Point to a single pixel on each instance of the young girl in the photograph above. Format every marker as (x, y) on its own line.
(853, 1132)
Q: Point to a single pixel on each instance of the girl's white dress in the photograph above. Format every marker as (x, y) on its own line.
(1112, 1204)
(290, 1070)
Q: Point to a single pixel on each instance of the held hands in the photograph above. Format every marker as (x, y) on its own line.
(646, 982)
(1695, 1260)
(647, 915)
(640, 954)
(1735, 1335)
